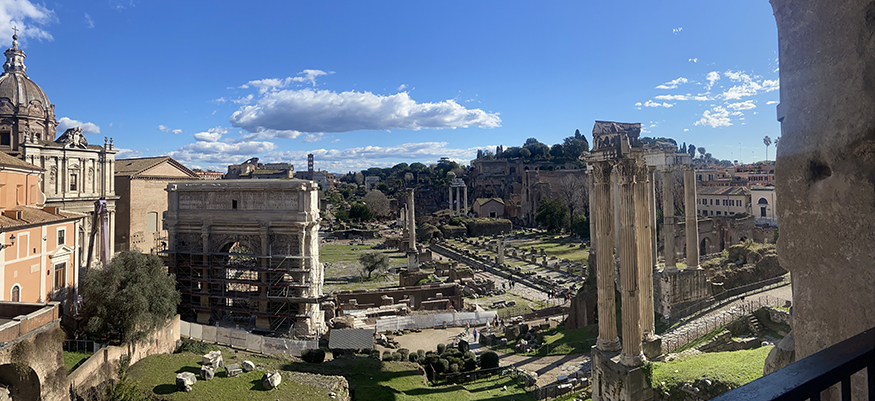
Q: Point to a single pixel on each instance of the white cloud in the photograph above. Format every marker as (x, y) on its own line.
(745, 105)
(211, 135)
(65, 123)
(335, 140)
(677, 30)
(673, 83)
(716, 117)
(673, 97)
(163, 128)
(272, 84)
(749, 85)
(308, 110)
(220, 100)
(772, 102)
(176, 131)
(638, 105)
(401, 87)
(244, 100)
(701, 98)
(685, 130)
(695, 60)
(651, 103)
(313, 137)
(712, 77)
(127, 153)
(271, 133)
(88, 21)
(29, 18)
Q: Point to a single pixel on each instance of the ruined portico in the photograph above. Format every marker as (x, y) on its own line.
(458, 185)
(623, 216)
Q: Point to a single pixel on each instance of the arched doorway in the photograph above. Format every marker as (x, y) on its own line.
(705, 246)
(21, 382)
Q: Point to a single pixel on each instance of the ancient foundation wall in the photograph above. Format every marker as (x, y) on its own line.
(673, 291)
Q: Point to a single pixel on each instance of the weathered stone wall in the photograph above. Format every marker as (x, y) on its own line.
(34, 341)
(825, 171)
(371, 298)
(103, 365)
(673, 291)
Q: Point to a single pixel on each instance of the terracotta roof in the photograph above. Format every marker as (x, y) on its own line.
(351, 339)
(132, 167)
(483, 201)
(35, 216)
(723, 191)
(12, 161)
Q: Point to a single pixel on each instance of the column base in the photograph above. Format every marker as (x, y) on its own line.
(671, 269)
(611, 381)
(608, 345)
(632, 360)
(652, 346)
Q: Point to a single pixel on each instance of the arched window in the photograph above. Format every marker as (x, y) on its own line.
(762, 201)
(16, 293)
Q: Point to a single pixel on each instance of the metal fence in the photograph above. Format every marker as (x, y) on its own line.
(245, 340)
(684, 336)
(83, 346)
(725, 297)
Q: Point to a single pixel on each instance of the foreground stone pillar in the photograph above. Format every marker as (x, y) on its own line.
(632, 354)
(643, 220)
(692, 224)
(604, 245)
(668, 221)
(651, 193)
(411, 227)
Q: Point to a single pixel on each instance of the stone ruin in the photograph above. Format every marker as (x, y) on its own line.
(185, 380)
(210, 363)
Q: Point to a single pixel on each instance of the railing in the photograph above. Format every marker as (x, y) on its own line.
(709, 304)
(807, 378)
(84, 346)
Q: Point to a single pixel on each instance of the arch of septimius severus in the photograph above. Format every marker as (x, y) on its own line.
(623, 210)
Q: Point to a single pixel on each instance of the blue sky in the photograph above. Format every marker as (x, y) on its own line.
(363, 84)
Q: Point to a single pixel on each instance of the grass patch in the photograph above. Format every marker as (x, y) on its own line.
(72, 360)
(333, 253)
(701, 340)
(731, 369)
(561, 341)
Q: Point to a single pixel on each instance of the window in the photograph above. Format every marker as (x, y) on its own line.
(724, 202)
(234, 204)
(61, 236)
(16, 293)
(151, 222)
(60, 276)
(718, 212)
(73, 178)
(762, 211)
(6, 138)
(712, 202)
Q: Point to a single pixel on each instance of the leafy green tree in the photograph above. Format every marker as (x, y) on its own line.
(580, 226)
(552, 214)
(574, 146)
(692, 150)
(557, 151)
(374, 261)
(130, 298)
(360, 212)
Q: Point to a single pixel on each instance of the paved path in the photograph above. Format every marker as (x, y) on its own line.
(724, 314)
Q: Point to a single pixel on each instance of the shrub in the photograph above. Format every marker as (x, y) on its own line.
(441, 348)
(442, 365)
(426, 232)
(404, 353)
(463, 346)
(470, 355)
(421, 353)
(375, 354)
(489, 360)
(194, 346)
(453, 231)
(469, 365)
(481, 227)
(454, 368)
(396, 357)
(387, 356)
(313, 355)
(414, 357)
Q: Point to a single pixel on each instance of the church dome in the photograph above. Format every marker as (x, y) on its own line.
(19, 90)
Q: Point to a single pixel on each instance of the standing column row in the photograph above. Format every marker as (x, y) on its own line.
(601, 208)
(692, 225)
(632, 354)
(668, 220)
(643, 226)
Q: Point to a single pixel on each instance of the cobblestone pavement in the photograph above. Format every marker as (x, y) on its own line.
(704, 324)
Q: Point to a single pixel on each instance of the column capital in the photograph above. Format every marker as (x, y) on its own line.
(601, 172)
(626, 170)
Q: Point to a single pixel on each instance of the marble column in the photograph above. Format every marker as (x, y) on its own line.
(451, 201)
(411, 227)
(465, 201)
(668, 220)
(692, 224)
(633, 352)
(643, 221)
(651, 193)
(458, 203)
(604, 246)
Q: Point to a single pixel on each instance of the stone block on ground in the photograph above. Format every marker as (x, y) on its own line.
(248, 366)
(233, 370)
(271, 381)
(207, 372)
(185, 380)
(213, 358)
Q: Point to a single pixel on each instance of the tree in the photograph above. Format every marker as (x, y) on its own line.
(580, 226)
(574, 146)
(692, 150)
(377, 202)
(130, 298)
(360, 212)
(701, 151)
(768, 142)
(552, 214)
(556, 151)
(574, 190)
(372, 261)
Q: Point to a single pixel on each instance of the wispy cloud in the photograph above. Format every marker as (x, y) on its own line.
(88, 21)
(716, 117)
(677, 30)
(672, 97)
(673, 83)
(65, 123)
(163, 128)
(401, 87)
(30, 19)
(271, 84)
(695, 60)
(747, 85)
(313, 137)
(745, 105)
(712, 77)
(651, 103)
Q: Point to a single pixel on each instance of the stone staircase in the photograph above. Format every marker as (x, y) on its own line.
(756, 327)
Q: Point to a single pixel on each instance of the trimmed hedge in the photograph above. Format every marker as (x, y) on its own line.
(488, 226)
(450, 231)
(489, 360)
(313, 355)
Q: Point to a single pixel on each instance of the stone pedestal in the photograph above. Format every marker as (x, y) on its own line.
(652, 347)
(612, 381)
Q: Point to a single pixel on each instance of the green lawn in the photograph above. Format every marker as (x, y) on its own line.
(72, 360)
(369, 379)
(337, 252)
(732, 369)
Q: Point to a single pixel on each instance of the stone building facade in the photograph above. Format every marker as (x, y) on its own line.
(246, 253)
(140, 184)
(76, 174)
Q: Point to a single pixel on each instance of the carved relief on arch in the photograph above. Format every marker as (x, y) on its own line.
(220, 242)
(35, 108)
